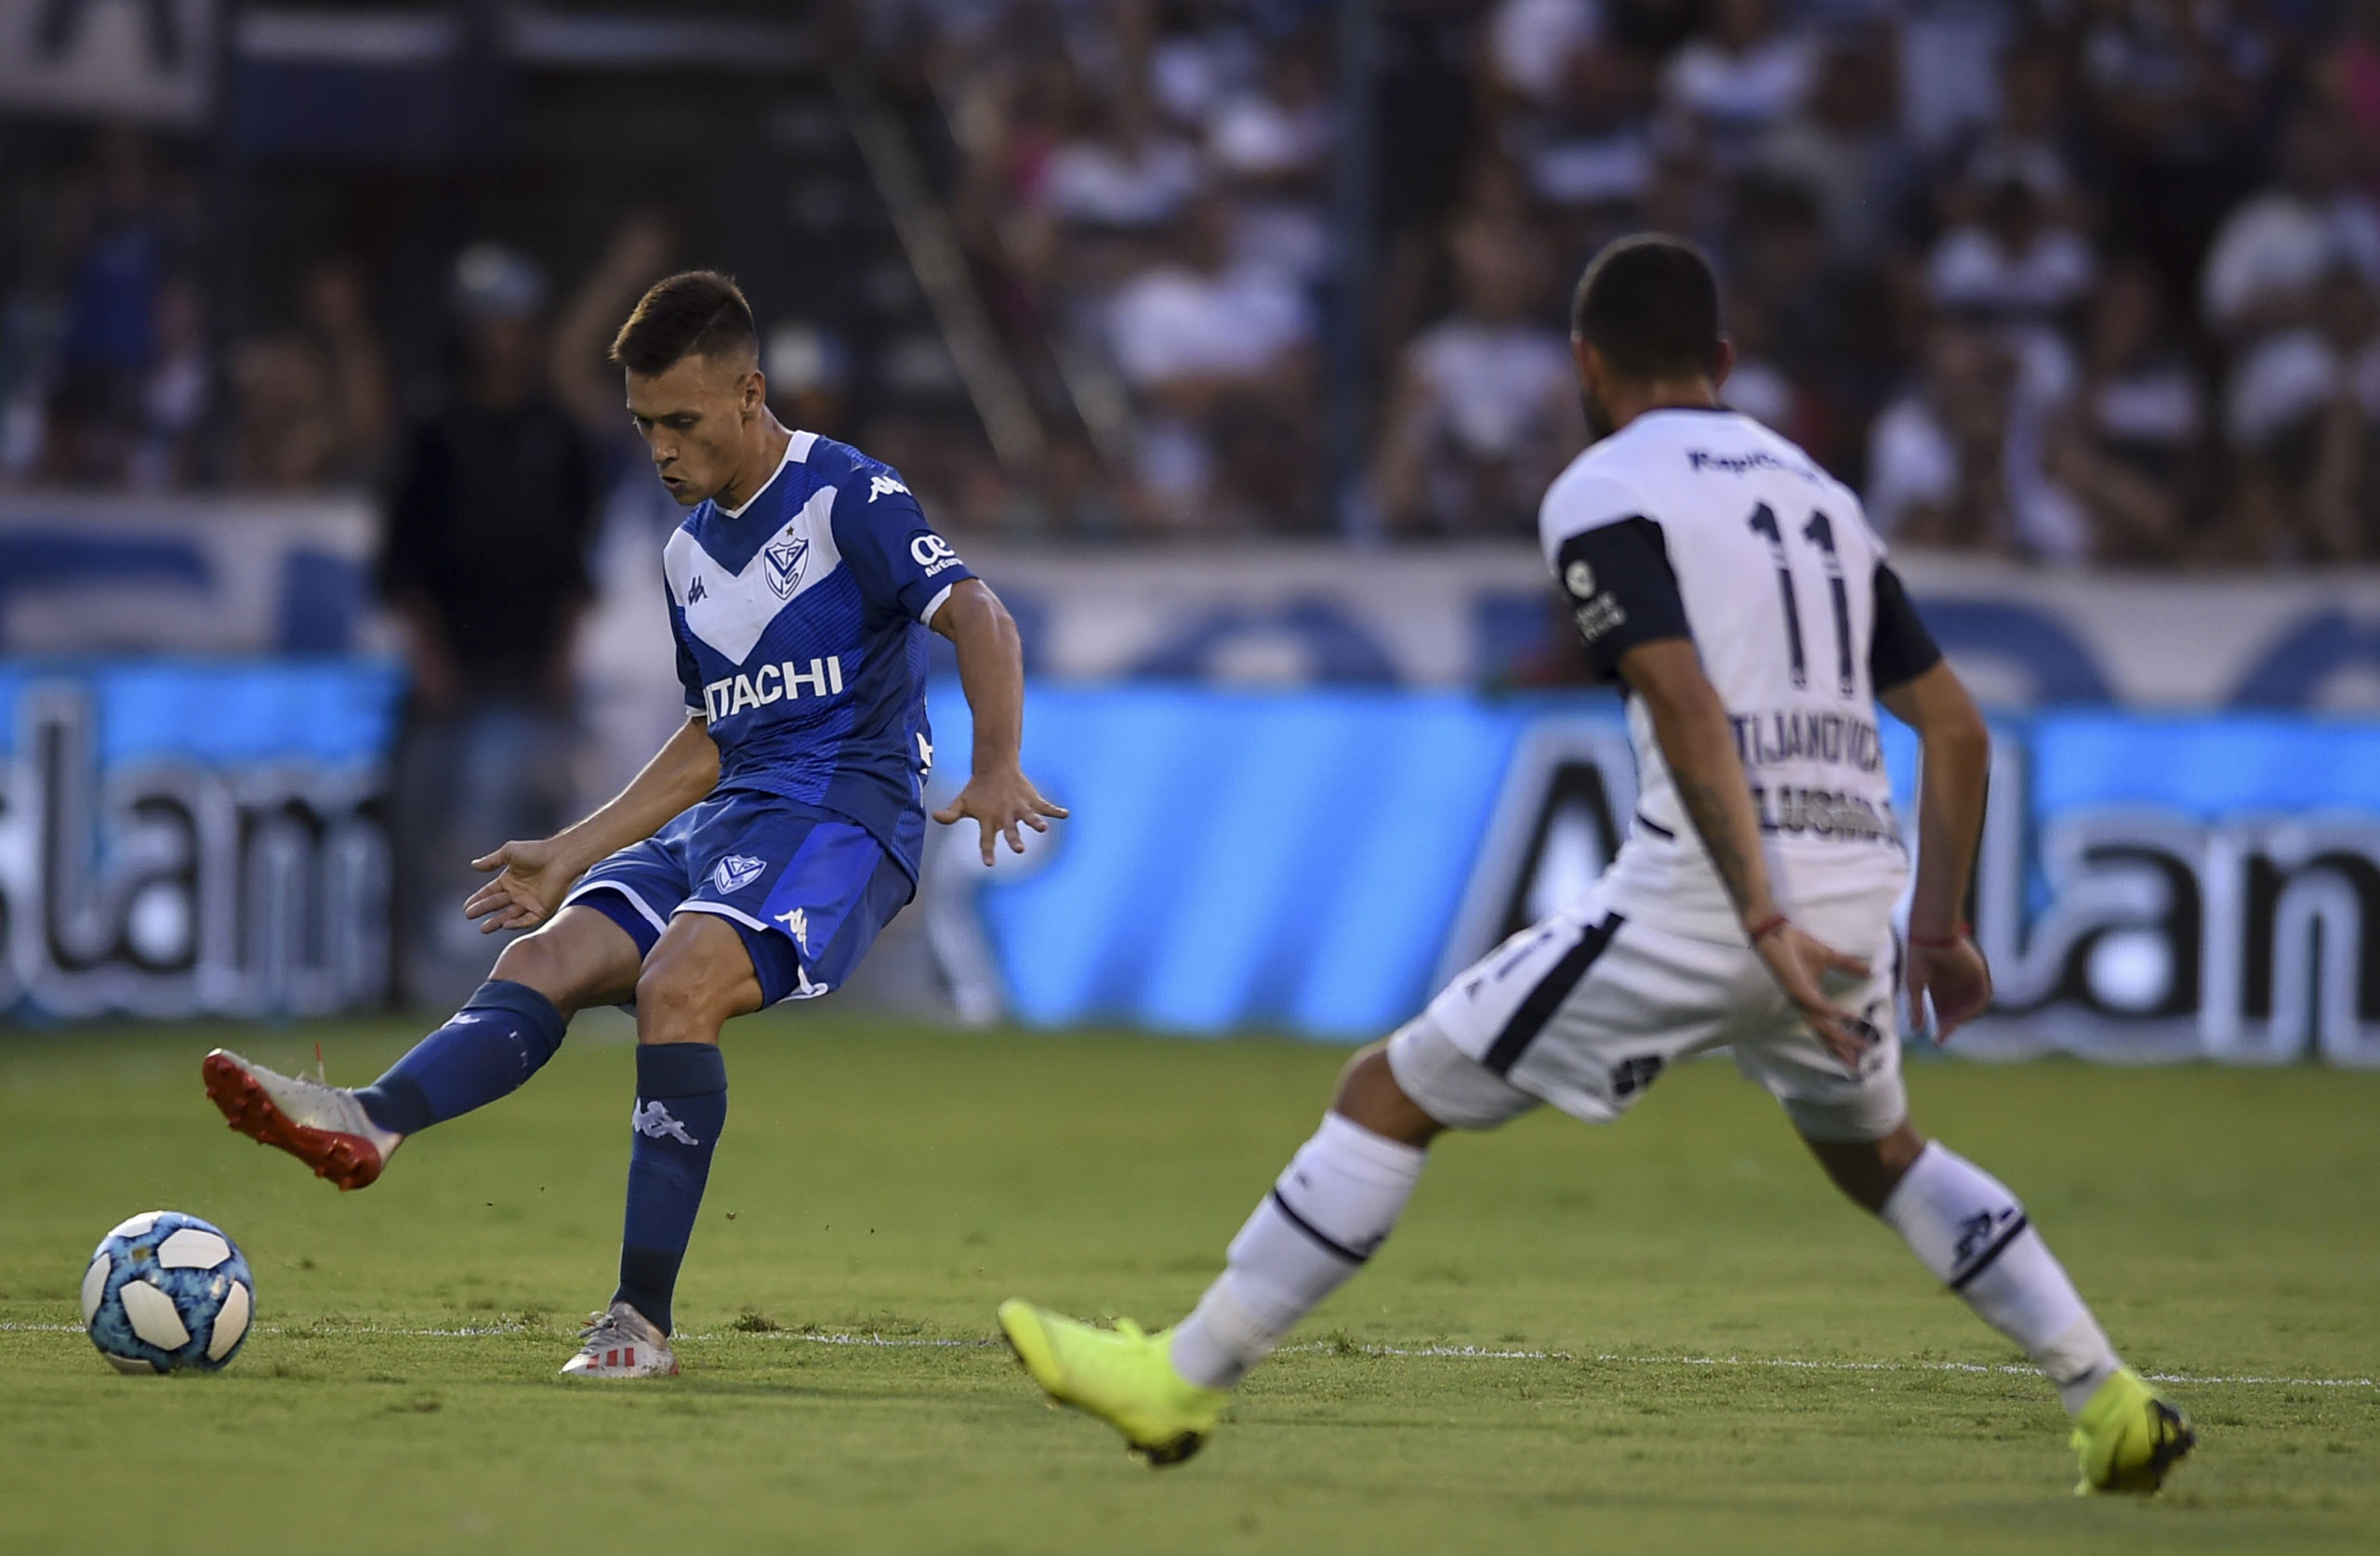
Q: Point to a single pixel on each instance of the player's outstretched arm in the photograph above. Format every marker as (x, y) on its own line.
(1698, 743)
(533, 877)
(991, 671)
(1943, 963)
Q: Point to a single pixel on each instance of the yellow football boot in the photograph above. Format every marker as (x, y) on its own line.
(1122, 1376)
(2128, 1438)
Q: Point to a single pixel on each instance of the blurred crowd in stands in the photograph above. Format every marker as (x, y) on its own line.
(2056, 280)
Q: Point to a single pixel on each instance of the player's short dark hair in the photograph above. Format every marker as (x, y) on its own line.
(1650, 305)
(692, 313)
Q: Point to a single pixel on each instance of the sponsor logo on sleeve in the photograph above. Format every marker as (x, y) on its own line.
(879, 485)
(1599, 616)
(933, 553)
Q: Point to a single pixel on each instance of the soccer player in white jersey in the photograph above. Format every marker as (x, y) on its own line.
(757, 855)
(1737, 594)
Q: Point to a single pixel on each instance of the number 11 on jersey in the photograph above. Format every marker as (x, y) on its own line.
(1818, 532)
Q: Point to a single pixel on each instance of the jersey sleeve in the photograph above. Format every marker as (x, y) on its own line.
(1900, 649)
(1613, 564)
(901, 564)
(1621, 589)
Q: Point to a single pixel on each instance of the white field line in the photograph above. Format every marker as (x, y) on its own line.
(1445, 1352)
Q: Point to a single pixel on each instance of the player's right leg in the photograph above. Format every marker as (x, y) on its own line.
(1472, 1061)
(501, 1037)
(1329, 1212)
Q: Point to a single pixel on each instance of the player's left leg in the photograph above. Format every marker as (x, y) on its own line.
(698, 977)
(1974, 1234)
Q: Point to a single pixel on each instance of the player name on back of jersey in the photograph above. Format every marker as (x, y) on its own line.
(1786, 735)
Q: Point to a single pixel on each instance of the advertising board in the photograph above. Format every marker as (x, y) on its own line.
(186, 838)
(2150, 887)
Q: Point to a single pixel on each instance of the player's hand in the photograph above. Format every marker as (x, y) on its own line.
(1800, 964)
(1955, 977)
(1001, 802)
(531, 882)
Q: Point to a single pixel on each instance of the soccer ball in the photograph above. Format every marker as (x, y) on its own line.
(166, 1291)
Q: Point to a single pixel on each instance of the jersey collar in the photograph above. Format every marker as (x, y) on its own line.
(795, 446)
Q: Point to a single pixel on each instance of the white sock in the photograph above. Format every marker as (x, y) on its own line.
(1328, 1211)
(1965, 1226)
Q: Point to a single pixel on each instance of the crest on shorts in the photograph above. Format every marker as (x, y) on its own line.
(783, 557)
(737, 871)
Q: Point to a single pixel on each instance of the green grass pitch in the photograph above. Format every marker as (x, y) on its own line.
(1710, 1351)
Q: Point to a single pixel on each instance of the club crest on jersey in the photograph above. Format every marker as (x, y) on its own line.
(737, 871)
(783, 557)
(1580, 579)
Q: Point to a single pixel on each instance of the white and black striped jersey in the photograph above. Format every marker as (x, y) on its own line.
(1707, 525)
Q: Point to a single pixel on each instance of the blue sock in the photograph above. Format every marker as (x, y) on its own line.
(681, 1108)
(498, 1040)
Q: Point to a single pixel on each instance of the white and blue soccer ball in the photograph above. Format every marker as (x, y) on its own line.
(166, 1291)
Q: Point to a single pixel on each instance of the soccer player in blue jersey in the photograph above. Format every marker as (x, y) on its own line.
(763, 849)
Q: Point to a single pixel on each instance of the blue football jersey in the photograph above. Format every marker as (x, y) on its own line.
(801, 639)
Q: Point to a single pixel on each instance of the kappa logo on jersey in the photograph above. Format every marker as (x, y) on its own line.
(785, 557)
(797, 924)
(695, 591)
(933, 553)
(654, 1122)
(737, 871)
(879, 485)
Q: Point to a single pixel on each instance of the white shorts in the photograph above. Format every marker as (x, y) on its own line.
(1586, 1009)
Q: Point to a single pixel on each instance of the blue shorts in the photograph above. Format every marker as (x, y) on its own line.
(808, 891)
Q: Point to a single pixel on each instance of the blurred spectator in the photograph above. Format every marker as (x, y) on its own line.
(1123, 171)
(1484, 411)
(2131, 450)
(484, 559)
(2273, 248)
(1958, 461)
(1270, 143)
(312, 399)
(1845, 146)
(125, 227)
(2304, 407)
(1758, 386)
(177, 395)
(2031, 139)
(2176, 89)
(1739, 76)
(2014, 263)
(1218, 353)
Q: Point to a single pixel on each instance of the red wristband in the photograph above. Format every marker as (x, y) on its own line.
(1765, 928)
(1942, 943)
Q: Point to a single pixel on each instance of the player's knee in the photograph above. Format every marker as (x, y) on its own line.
(545, 963)
(675, 1003)
(1867, 1171)
(1369, 1095)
